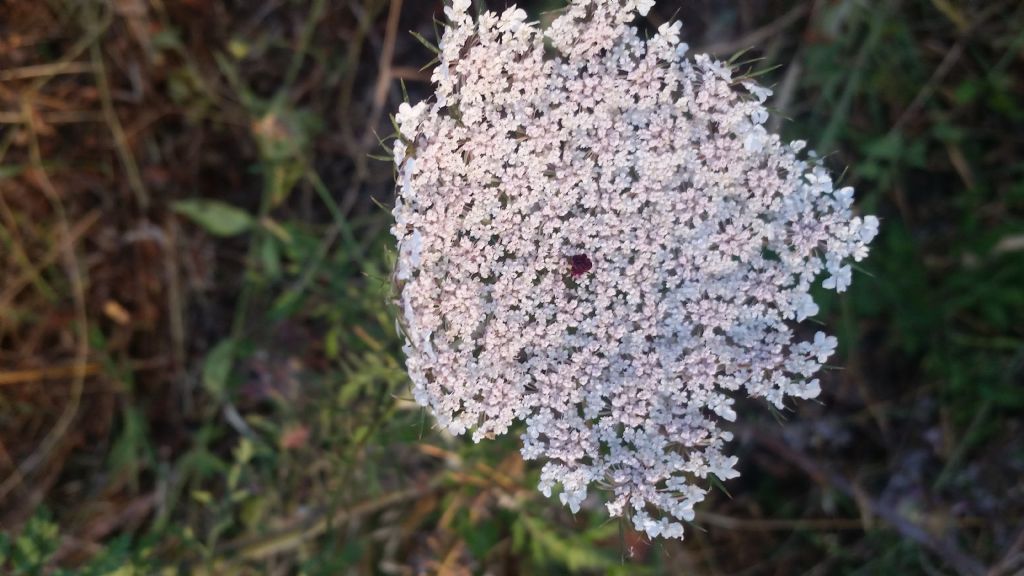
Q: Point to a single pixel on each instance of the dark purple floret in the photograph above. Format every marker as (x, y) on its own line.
(581, 264)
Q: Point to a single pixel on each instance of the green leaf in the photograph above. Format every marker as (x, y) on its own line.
(270, 256)
(216, 217)
(35, 545)
(253, 510)
(5, 548)
(167, 39)
(12, 171)
(481, 537)
(888, 147)
(426, 43)
(202, 496)
(217, 368)
(548, 546)
(129, 454)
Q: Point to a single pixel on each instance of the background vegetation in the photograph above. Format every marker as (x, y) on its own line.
(199, 370)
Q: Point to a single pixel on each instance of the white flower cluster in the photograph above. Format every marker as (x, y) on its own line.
(599, 238)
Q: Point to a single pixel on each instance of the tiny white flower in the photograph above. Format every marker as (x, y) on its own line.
(644, 6)
(839, 279)
(869, 229)
(804, 306)
(409, 118)
(844, 195)
(760, 92)
(670, 31)
(823, 346)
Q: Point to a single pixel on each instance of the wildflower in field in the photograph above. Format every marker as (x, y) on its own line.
(600, 239)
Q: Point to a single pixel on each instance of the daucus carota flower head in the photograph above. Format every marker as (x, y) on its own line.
(599, 239)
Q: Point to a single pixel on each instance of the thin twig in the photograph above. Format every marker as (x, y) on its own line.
(316, 13)
(97, 530)
(876, 29)
(945, 66)
(13, 377)
(1013, 561)
(34, 375)
(785, 93)
(116, 129)
(410, 73)
(772, 524)
(69, 59)
(293, 537)
(365, 17)
(758, 36)
(384, 76)
(793, 524)
(45, 70)
(10, 229)
(68, 117)
(64, 243)
(930, 87)
(74, 273)
(946, 549)
(175, 305)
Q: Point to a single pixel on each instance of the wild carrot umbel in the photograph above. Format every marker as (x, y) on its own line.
(692, 238)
